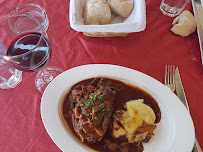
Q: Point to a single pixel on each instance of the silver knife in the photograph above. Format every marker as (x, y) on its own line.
(179, 89)
(198, 13)
(181, 95)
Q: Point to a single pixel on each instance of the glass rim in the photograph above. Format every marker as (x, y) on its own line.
(29, 4)
(42, 32)
(27, 7)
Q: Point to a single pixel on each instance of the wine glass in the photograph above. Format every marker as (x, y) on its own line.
(27, 47)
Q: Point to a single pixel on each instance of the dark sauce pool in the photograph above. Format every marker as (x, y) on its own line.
(129, 92)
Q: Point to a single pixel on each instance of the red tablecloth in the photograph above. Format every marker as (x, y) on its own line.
(21, 127)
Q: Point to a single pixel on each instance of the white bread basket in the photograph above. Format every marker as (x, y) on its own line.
(136, 22)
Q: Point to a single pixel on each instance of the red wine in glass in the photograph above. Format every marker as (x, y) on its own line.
(33, 51)
(30, 51)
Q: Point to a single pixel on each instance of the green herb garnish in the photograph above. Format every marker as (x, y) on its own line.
(103, 110)
(101, 98)
(101, 105)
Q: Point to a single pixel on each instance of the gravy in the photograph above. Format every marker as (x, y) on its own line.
(129, 92)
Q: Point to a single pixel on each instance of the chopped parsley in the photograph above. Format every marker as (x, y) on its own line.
(101, 105)
(101, 98)
(103, 110)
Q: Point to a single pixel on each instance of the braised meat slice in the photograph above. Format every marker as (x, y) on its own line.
(92, 109)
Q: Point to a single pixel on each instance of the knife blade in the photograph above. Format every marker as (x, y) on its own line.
(198, 13)
(179, 88)
(181, 95)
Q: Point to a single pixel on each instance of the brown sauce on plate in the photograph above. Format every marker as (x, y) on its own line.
(128, 92)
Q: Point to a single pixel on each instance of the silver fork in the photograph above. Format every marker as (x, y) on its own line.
(169, 78)
(169, 81)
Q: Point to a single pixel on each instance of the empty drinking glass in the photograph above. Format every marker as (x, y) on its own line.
(9, 76)
(173, 7)
(33, 10)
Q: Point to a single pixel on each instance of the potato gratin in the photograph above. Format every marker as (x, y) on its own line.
(137, 123)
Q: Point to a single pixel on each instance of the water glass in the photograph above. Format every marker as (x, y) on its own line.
(173, 7)
(33, 10)
(9, 76)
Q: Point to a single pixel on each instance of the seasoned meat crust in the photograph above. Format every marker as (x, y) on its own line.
(92, 109)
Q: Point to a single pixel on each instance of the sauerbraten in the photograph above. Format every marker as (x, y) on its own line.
(103, 114)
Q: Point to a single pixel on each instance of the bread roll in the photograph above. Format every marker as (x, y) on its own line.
(184, 24)
(121, 7)
(97, 12)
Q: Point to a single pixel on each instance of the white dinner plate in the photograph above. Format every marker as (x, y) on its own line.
(174, 133)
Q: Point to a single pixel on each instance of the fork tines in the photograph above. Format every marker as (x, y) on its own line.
(169, 79)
